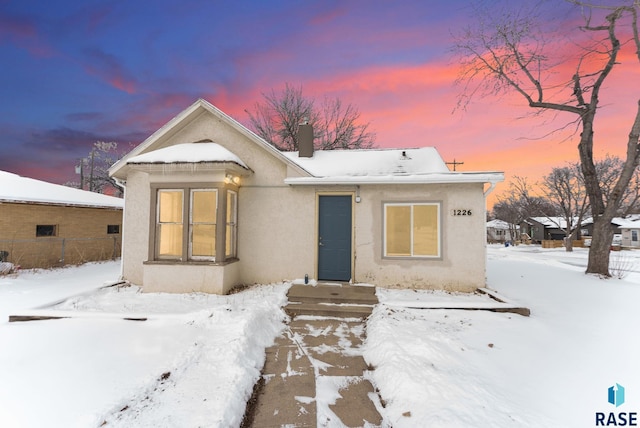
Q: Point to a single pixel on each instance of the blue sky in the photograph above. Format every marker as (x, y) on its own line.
(77, 72)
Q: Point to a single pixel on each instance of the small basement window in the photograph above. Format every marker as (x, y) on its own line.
(113, 229)
(45, 230)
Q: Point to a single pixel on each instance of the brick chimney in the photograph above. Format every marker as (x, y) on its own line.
(305, 140)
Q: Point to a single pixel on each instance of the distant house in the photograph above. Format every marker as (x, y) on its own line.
(45, 225)
(616, 222)
(210, 205)
(501, 231)
(545, 228)
(630, 230)
(628, 227)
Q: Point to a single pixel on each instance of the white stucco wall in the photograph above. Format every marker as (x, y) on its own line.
(135, 237)
(462, 265)
(277, 226)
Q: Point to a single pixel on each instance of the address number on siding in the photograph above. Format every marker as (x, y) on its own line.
(457, 212)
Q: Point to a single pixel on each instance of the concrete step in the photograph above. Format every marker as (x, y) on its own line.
(328, 310)
(331, 300)
(339, 293)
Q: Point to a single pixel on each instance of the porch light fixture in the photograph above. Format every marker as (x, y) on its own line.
(230, 178)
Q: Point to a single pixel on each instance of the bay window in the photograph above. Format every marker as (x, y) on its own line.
(187, 221)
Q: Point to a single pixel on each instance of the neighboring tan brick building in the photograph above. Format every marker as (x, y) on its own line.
(45, 225)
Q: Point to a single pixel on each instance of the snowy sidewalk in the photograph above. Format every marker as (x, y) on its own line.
(315, 374)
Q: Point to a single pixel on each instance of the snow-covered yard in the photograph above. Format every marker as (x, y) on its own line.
(194, 361)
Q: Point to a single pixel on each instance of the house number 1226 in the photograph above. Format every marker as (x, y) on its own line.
(460, 212)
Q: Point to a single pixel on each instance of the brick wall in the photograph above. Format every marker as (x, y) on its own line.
(81, 234)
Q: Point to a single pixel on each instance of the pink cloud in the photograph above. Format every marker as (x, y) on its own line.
(24, 34)
(111, 70)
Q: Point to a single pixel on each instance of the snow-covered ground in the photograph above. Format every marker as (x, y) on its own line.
(194, 360)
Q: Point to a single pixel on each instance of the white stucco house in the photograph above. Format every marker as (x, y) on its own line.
(629, 230)
(209, 205)
(501, 231)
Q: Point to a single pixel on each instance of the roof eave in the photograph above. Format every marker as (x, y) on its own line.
(448, 178)
(62, 204)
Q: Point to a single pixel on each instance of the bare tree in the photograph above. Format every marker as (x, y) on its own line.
(94, 168)
(517, 204)
(340, 127)
(336, 125)
(608, 170)
(564, 188)
(512, 53)
(276, 119)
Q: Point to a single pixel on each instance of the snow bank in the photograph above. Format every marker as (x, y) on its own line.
(193, 363)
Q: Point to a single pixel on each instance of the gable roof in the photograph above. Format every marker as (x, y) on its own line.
(380, 166)
(371, 166)
(17, 189)
(185, 117)
(189, 153)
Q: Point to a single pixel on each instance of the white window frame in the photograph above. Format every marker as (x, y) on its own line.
(190, 255)
(438, 205)
(233, 239)
(158, 224)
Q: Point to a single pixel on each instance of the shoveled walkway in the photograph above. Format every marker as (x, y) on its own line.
(315, 375)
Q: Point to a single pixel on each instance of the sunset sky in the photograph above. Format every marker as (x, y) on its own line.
(76, 72)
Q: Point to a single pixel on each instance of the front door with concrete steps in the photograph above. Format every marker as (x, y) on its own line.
(334, 237)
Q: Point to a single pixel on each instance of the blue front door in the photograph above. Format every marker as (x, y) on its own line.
(334, 238)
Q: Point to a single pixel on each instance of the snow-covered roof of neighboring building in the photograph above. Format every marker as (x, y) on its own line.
(499, 224)
(421, 165)
(188, 153)
(554, 222)
(630, 222)
(14, 188)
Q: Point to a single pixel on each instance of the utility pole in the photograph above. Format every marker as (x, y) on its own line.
(91, 185)
(80, 170)
(454, 163)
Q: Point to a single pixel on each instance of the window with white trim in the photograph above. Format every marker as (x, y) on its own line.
(195, 224)
(202, 224)
(412, 230)
(169, 224)
(232, 224)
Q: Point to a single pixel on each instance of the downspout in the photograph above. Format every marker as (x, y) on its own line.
(492, 185)
(123, 185)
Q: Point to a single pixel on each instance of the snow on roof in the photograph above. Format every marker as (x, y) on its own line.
(14, 188)
(499, 224)
(556, 222)
(385, 165)
(188, 153)
(630, 222)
